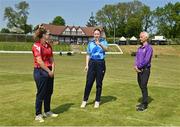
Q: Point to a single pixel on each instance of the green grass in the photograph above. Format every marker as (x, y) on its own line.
(119, 97)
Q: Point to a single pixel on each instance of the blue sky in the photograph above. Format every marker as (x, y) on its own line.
(75, 12)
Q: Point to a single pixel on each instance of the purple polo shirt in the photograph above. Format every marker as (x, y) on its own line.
(143, 56)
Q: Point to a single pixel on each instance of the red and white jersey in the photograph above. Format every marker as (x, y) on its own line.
(44, 51)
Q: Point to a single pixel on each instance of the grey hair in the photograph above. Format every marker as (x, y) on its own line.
(145, 33)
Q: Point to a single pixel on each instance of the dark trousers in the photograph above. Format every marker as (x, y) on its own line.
(44, 85)
(143, 78)
(96, 71)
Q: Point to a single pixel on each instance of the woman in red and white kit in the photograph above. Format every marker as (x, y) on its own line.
(43, 72)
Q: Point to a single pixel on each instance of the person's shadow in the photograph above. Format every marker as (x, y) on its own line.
(150, 99)
(105, 99)
(63, 108)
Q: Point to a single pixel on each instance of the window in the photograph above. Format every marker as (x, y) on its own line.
(79, 40)
(61, 39)
(80, 32)
(85, 40)
(73, 31)
(67, 39)
(67, 31)
(54, 37)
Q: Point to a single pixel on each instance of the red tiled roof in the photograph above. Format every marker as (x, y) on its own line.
(88, 30)
(58, 30)
(53, 29)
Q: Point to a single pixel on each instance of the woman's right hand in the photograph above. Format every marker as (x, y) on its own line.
(51, 74)
(86, 68)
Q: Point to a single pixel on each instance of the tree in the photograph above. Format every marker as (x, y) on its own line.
(17, 18)
(27, 27)
(107, 18)
(168, 20)
(133, 27)
(92, 21)
(132, 17)
(58, 20)
(147, 18)
(123, 18)
(5, 30)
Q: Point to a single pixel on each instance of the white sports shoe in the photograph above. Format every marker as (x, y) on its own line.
(50, 114)
(83, 105)
(96, 105)
(39, 118)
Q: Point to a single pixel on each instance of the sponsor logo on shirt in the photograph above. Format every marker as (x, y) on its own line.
(37, 47)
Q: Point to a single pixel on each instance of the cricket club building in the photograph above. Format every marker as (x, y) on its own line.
(71, 34)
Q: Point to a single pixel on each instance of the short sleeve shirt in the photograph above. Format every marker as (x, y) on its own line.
(95, 51)
(43, 51)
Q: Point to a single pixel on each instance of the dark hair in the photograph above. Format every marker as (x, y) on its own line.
(39, 30)
(97, 29)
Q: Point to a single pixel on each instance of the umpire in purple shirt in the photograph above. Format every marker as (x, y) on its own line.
(142, 67)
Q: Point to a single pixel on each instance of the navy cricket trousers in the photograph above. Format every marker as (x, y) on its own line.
(44, 85)
(96, 71)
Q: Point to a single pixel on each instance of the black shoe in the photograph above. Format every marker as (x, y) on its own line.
(141, 108)
(139, 105)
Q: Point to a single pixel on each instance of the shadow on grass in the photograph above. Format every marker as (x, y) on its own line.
(63, 108)
(105, 99)
(150, 99)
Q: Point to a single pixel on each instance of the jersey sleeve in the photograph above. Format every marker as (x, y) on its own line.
(36, 49)
(105, 43)
(51, 51)
(88, 49)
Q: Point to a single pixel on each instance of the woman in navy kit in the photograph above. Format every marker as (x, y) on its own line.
(95, 67)
(43, 72)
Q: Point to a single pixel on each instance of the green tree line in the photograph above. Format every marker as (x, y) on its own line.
(129, 18)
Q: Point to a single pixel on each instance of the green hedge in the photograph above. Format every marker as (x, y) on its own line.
(111, 39)
(27, 46)
(15, 38)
